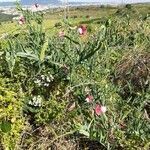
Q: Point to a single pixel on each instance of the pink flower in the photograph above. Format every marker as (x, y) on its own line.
(21, 20)
(36, 5)
(61, 34)
(89, 98)
(82, 30)
(100, 109)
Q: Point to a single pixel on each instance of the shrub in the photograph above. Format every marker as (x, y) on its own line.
(102, 6)
(128, 6)
(58, 24)
(11, 119)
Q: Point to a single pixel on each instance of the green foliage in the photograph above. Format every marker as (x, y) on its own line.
(6, 17)
(129, 6)
(58, 25)
(11, 119)
(52, 73)
(52, 109)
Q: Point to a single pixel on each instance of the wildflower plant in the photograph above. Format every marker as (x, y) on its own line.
(69, 80)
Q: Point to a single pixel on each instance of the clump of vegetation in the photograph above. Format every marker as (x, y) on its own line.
(128, 6)
(58, 25)
(127, 10)
(133, 73)
(11, 120)
(6, 17)
(56, 89)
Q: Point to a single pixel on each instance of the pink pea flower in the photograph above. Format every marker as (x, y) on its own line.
(89, 98)
(61, 34)
(21, 20)
(36, 5)
(100, 109)
(82, 30)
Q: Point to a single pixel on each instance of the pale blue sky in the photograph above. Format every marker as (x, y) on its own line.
(7, 0)
(109, 1)
(102, 1)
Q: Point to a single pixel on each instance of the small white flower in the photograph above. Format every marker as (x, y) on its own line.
(37, 81)
(35, 104)
(30, 102)
(48, 79)
(36, 101)
(34, 98)
(43, 77)
(38, 96)
(39, 104)
(39, 101)
(52, 78)
(46, 84)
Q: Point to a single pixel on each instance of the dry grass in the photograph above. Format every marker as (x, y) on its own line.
(133, 73)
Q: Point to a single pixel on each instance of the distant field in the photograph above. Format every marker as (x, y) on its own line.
(5, 17)
(77, 15)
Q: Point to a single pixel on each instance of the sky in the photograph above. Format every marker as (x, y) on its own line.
(128, 1)
(109, 1)
(7, 0)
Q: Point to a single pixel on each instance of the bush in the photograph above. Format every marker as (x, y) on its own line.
(11, 119)
(58, 24)
(128, 6)
(102, 6)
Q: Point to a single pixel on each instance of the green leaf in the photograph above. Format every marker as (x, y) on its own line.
(86, 133)
(91, 52)
(28, 55)
(10, 58)
(75, 42)
(43, 50)
(5, 126)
